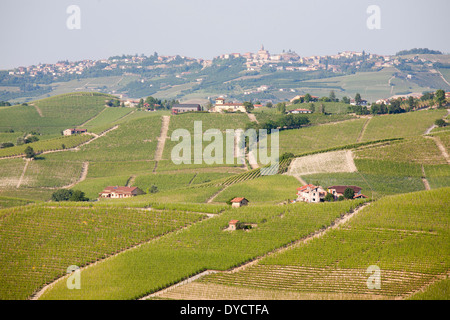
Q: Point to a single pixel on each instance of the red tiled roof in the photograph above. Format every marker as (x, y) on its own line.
(233, 221)
(117, 189)
(306, 186)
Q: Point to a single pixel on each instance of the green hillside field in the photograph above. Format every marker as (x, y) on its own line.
(181, 226)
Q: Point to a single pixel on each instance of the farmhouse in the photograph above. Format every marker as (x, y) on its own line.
(296, 111)
(239, 202)
(180, 108)
(337, 191)
(221, 106)
(117, 192)
(69, 132)
(310, 193)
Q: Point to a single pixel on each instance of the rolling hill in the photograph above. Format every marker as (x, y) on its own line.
(135, 247)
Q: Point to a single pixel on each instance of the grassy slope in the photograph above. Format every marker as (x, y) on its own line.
(52, 239)
(58, 113)
(204, 245)
(404, 233)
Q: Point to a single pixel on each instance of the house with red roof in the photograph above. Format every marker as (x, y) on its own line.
(239, 202)
(311, 193)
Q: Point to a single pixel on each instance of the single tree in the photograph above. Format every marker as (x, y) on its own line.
(281, 107)
(440, 123)
(152, 189)
(269, 104)
(329, 197)
(332, 96)
(312, 108)
(78, 195)
(29, 152)
(307, 97)
(440, 97)
(248, 106)
(358, 99)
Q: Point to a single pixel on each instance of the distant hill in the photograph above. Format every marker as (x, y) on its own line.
(418, 51)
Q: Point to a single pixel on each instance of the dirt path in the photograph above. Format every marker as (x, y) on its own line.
(161, 141)
(77, 148)
(336, 223)
(441, 147)
(39, 293)
(252, 117)
(424, 179)
(162, 138)
(300, 179)
(38, 110)
(361, 134)
(434, 126)
(23, 173)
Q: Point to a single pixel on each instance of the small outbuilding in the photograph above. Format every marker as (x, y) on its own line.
(239, 202)
(233, 225)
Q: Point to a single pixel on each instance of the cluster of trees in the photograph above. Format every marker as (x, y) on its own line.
(4, 104)
(400, 106)
(69, 195)
(114, 103)
(152, 103)
(20, 141)
(417, 51)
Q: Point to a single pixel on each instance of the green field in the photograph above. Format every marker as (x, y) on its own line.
(58, 113)
(203, 246)
(401, 125)
(52, 239)
(405, 230)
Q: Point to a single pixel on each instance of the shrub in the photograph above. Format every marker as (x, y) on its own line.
(440, 123)
(329, 197)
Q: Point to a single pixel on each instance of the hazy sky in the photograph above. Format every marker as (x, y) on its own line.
(34, 31)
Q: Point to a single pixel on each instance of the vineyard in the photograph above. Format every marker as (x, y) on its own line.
(61, 143)
(182, 229)
(406, 236)
(401, 125)
(39, 242)
(55, 114)
(266, 189)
